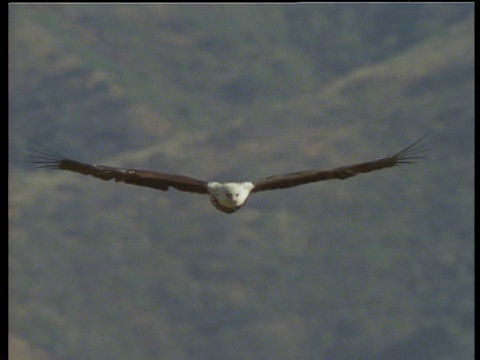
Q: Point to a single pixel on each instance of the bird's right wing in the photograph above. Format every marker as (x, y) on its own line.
(151, 179)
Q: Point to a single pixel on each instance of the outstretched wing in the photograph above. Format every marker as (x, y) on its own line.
(405, 156)
(49, 159)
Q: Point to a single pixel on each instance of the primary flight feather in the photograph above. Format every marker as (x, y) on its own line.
(225, 196)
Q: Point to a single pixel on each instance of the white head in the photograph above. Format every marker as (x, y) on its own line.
(229, 197)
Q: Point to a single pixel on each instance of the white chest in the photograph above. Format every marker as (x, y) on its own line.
(230, 195)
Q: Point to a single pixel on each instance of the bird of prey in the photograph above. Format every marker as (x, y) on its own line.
(225, 196)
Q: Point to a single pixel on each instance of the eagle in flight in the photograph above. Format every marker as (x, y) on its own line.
(225, 196)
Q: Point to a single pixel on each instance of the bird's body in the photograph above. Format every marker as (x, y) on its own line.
(229, 196)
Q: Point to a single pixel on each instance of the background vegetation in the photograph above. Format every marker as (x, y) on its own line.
(376, 267)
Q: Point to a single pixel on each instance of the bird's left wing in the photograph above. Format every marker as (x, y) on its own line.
(152, 179)
(405, 156)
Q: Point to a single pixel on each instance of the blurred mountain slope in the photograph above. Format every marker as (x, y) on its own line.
(354, 269)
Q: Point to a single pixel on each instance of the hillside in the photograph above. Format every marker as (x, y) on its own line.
(379, 266)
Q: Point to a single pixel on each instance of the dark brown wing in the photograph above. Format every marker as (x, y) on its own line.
(49, 159)
(405, 156)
